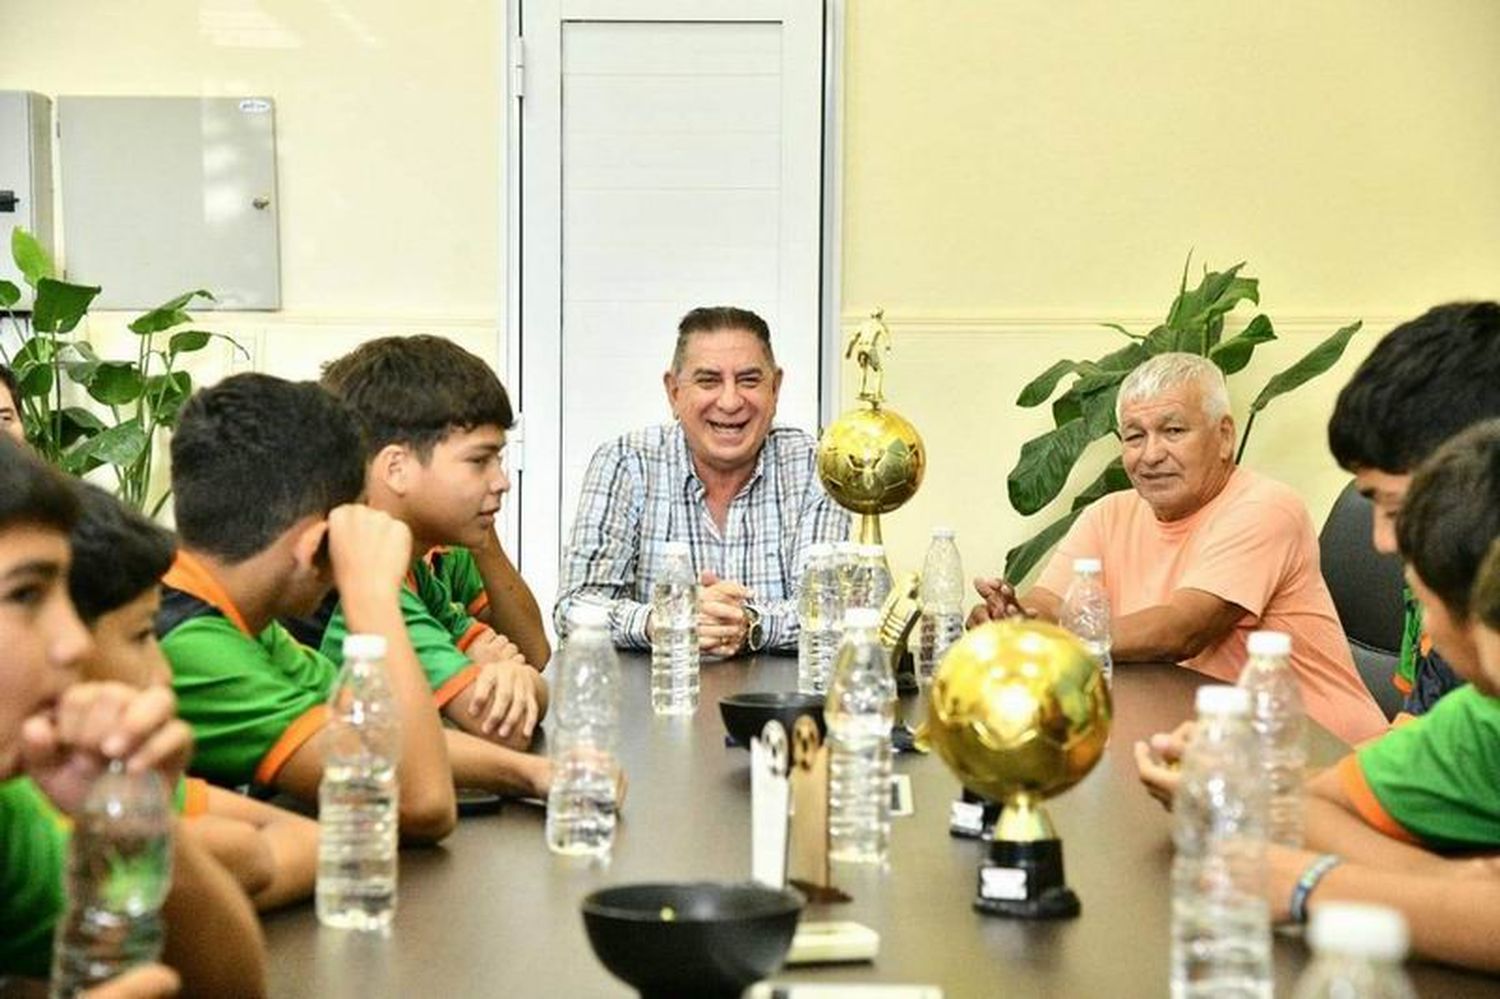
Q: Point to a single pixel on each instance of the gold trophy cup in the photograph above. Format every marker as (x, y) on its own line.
(1020, 712)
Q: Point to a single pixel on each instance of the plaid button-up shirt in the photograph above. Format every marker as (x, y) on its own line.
(641, 491)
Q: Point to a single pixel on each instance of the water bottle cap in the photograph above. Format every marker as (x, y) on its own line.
(1358, 929)
(1269, 643)
(819, 549)
(1087, 565)
(672, 548)
(589, 615)
(871, 551)
(861, 617)
(364, 646)
(1222, 699)
(946, 533)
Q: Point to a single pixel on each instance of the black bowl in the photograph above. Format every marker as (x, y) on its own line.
(703, 939)
(746, 714)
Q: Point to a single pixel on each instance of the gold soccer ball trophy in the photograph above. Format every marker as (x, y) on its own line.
(1020, 712)
(871, 459)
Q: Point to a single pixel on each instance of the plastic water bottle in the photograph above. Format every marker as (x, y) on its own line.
(585, 725)
(1086, 612)
(942, 621)
(1277, 717)
(674, 634)
(860, 709)
(1358, 952)
(870, 581)
(820, 619)
(358, 799)
(845, 558)
(119, 872)
(1221, 924)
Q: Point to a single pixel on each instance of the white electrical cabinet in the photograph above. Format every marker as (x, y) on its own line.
(161, 195)
(25, 176)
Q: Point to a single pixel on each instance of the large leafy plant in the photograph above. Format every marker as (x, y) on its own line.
(1085, 411)
(81, 411)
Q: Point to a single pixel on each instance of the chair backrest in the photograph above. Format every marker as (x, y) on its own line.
(1367, 593)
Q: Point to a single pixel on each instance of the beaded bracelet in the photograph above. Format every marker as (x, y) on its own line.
(1308, 881)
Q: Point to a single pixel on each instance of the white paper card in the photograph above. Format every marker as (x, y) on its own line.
(967, 816)
(1005, 883)
(769, 800)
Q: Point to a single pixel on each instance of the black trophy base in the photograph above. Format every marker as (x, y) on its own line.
(1025, 881)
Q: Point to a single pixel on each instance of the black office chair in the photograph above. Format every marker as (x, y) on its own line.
(1367, 593)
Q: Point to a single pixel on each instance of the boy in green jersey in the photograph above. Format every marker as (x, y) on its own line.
(119, 558)
(1401, 810)
(57, 734)
(265, 475)
(435, 419)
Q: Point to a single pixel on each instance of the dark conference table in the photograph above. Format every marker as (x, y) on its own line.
(492, 913)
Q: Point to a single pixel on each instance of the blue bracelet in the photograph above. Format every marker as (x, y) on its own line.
(1308, 881)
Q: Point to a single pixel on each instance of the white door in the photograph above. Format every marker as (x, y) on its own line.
(670, 156)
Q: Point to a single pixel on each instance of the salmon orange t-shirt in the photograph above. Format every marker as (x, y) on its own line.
(1252, 545)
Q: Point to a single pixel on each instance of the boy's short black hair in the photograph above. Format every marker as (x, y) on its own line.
(1426, 380)
(33, 492)
(118, 554)
(8, 379)
(254, 454)
(1451, 515)
(415, 390)
(1486, 597)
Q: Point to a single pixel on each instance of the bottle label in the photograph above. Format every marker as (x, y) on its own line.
(1004, 883)
(966, 817)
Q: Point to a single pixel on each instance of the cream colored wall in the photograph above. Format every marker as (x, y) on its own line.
(388, 147)
(1016, 173)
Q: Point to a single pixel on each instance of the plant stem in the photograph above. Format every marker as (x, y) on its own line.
(1245, 437)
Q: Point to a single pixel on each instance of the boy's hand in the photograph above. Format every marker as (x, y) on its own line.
(94, 723)
(370, 551)
(505, 696)
(1158, 761)
(149, 981)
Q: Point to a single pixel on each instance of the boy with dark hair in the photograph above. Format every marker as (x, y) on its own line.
(1424, 382)
(1392, 813)
(435, 418)
(213, 940)
(266, 474)
(118, 559)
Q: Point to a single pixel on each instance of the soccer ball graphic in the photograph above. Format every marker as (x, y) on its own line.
(871, 460)
(1019, 707)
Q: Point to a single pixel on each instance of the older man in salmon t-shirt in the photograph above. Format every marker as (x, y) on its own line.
(1202, 552)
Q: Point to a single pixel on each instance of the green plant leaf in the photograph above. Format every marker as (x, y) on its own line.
(1043, 467)
(35, 382)
(1066, 408)
(116, 383)
(9, 294)
(1316, 361)
(187, 341)
(168, 314)
(60, 305)
(31, 260)
(1112, 480)
(1126, 359)
(1233, 354)
(78, 423)
(1020, 559)
(1121, 329)
(1099, 408)
(1040, 388)
(118, 445)
(165, 395)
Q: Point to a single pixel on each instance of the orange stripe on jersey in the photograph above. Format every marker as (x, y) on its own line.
(478, 604)
(455, 685)
(1352, 778)
(475, 631)
(191, 576)
(297, 733)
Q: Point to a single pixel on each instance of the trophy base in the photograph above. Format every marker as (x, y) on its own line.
(905, 668)
(972, 817)
(1024, 880)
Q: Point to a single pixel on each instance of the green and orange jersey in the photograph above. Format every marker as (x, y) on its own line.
(442, 593)
(1423, 676)
(252, 699)
(1434, 781)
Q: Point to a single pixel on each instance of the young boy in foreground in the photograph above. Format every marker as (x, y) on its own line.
(118, 558)
(265, 474)
(57, 735)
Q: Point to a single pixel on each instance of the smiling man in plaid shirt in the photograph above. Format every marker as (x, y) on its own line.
(743, 494)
